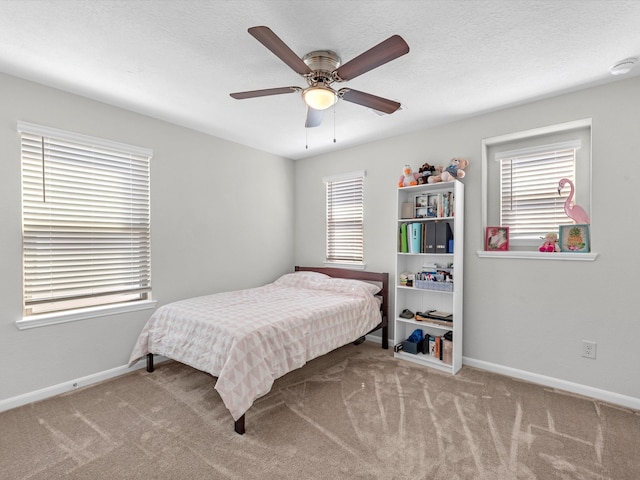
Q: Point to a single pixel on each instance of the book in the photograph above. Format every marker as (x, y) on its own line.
(436, 321)
(407, 210)
(447, 351)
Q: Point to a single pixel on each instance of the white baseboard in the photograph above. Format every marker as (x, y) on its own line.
(64, 387)
(584, 390)
(604, 395)
(375, 339)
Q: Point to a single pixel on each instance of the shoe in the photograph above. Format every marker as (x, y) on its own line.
(406, 313)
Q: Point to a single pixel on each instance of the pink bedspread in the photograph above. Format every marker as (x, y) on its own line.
(249, 338)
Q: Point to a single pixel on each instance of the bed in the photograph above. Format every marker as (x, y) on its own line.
(249, 338)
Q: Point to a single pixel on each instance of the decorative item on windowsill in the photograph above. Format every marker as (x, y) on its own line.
(496, 239)
(574, 238)
(550, 243)
(574, 212)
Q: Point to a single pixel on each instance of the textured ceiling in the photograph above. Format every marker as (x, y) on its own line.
(178, 60)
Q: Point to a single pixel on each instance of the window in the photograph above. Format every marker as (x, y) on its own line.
(521, 173)
(529, 201)
(85, 221)
(345, 214)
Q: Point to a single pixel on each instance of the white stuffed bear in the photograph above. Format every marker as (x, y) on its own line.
(455, 170)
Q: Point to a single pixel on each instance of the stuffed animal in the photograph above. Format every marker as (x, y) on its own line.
(455, 170)
(408, 177)
(425, 171)
(550, 243)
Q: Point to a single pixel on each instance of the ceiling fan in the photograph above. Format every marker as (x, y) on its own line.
(322, 68)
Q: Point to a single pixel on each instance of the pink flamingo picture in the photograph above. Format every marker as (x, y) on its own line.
(575, 212)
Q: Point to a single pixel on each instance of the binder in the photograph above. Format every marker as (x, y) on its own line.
(403, 238)
(430, 243)
(416, 238)
(443, 235)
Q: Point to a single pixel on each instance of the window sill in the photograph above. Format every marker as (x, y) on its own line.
(584, 257)
(82, 314)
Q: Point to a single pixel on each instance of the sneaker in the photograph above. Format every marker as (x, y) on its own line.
(406, 313)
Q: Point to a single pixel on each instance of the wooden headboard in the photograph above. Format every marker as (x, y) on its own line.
(376, 277)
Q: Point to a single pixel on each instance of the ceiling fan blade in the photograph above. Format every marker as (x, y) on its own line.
(383, 105)
(280, 49)
(264, 93)
(390, 49)
(314, 118)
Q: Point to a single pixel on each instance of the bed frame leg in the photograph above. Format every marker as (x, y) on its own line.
(385, 338)
(149, 362)
(238, 426)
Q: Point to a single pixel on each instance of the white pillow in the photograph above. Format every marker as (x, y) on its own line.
(352, 287)
(320, 281)
(302, 279)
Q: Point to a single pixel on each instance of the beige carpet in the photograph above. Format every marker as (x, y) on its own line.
(356, 413)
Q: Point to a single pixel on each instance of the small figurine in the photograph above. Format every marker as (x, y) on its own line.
(550, 243)
(575, 212)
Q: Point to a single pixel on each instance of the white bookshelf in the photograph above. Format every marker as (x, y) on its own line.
(422, 299)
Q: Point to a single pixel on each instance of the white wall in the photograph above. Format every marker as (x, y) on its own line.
(526, 315)
(221, 218)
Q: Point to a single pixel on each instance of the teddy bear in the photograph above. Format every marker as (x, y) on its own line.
(408, 177)
(550, 243)
(455, 170)
(426, 170)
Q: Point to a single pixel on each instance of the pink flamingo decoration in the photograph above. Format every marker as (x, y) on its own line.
(575, 212)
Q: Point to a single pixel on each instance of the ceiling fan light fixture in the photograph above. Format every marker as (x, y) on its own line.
(319, 98)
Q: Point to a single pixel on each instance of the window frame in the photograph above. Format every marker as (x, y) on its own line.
(330, 226)
(82, 305)
(534, 137)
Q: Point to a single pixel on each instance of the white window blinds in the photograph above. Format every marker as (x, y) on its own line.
(86, 221)
(529, 202)
(345, 214)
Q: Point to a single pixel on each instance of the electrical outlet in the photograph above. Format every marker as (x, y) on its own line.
(588, 349)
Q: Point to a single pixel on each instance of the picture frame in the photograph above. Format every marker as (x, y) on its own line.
(421, 202)
(574, 238)
(432, 205)
(496, 239)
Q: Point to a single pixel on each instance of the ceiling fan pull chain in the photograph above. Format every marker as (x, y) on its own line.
(334, 124)
(306, 139)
